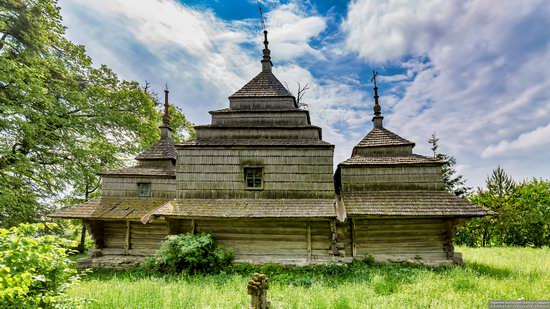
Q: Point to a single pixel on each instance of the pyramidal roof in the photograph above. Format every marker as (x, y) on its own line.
(380, 136)
(161, 150)
(264, 84)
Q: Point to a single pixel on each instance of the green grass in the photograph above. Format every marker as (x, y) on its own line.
(489, 273)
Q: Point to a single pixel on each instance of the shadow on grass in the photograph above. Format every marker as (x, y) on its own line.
(489, 271)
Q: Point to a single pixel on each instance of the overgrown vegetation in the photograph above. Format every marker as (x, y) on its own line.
(523, 213)
(35, 269)
(489, 273)
(190, 254)
(62, 120)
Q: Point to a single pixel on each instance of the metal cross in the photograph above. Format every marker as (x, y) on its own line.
(373, 79)
(262, 19)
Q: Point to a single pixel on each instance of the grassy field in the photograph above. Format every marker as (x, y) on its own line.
(489, 273)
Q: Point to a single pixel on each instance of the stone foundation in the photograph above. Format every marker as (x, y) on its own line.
(110, 261)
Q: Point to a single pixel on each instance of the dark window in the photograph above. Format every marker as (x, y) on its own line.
(253, 177)
(144, 189)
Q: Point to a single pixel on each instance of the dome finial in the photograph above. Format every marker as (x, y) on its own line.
(165, 129)
(266, 60)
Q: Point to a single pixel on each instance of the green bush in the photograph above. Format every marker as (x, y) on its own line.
(34, 267)
(189, 253)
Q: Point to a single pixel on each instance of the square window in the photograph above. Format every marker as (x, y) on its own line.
(144, 189)
(253, 177)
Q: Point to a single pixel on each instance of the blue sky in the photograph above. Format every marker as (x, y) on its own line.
(475, 71)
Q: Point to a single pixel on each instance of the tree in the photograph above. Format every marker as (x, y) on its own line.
(61, 119)
(453, 182)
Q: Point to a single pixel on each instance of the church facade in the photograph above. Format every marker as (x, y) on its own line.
(260, 178)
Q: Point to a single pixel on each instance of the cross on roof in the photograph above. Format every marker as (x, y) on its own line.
(373, 79)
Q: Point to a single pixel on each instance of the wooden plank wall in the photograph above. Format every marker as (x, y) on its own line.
(401, 239)
(367, 178)
(306, 132)
(288, 172)
(297, 118)
(114, 237)
(127, 186)
(145, 239)
(261, 241)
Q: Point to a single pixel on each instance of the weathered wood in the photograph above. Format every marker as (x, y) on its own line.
(127, 238)
(308, 242)
(353, 241)
(193, 226)
(257, 289)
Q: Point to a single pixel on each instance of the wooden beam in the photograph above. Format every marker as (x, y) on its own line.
(127, 240)
(193, 226)
(308, 242)
(353, 241)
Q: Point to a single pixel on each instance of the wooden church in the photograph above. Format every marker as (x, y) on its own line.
(260, 179)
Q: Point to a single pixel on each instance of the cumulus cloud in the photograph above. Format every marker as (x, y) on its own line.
(477, 70)
(526, 142)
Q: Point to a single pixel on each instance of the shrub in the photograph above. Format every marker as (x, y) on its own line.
(189, 253)
(34, 267)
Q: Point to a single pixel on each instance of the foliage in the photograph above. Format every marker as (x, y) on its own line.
(189, 253)
(453, 182)
(34, 266)
(62, 120)
(523, 213)
(488, 273)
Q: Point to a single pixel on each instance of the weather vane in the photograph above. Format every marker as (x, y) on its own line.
(262, 19)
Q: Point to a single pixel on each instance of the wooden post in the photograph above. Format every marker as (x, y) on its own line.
(257, 289)
(309, 242)
(127, 240)
(193, 226)
(353, 241)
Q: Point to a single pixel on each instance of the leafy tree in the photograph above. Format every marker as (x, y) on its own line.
(61, 119)
(34, 267)
(453, 182)
(529, 224)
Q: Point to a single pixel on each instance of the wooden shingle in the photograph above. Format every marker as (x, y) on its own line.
(410, 203)
(111, 208)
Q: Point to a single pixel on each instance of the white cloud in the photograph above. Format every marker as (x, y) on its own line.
(530, 141)
(478, 73)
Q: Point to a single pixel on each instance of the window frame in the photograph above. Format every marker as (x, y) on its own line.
(261, 173)
(139, 184)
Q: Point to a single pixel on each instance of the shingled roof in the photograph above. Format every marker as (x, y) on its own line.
(391, 159)
(246, 208)
(142, 171)
(411, 203)
(383, 137)
(162, 150)
(111, 208)
(264, 84)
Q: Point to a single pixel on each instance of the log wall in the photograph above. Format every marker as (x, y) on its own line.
(261, 241)
(251, 118)
(367, 178)
(114, 237)
(145, 239)
(128, 186)
(395, 240)
(287, 172)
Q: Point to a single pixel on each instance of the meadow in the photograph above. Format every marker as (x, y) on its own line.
(488, 273)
